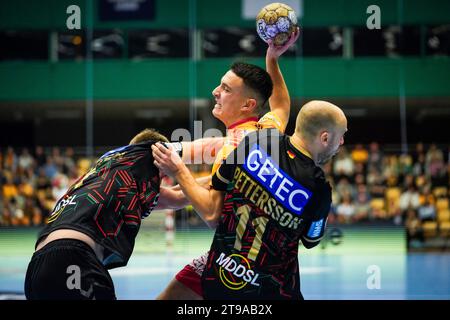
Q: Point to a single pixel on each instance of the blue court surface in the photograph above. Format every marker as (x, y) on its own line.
(368, 263)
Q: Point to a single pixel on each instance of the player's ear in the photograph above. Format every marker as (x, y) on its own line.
(250, 105)
(324, 138)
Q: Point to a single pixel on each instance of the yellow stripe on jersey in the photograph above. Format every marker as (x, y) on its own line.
(221, 178)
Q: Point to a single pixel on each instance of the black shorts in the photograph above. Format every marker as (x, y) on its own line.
(67, 269)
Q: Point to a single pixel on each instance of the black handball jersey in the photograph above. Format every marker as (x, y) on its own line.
(275, 197)
(109, 201)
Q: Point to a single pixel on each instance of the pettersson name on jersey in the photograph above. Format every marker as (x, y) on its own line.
(263, 200)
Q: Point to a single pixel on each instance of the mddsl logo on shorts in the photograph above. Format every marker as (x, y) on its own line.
(236, 275)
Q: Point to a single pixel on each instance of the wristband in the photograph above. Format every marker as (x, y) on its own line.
(176, 146)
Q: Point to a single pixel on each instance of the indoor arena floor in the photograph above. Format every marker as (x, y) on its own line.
(336, 272)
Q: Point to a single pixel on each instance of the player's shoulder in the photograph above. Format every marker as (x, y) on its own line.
(145, 145)
(317, 175)
(321, 188)
(322, 183)
(265, 134)
(271, 120)
(264, 139)
(269, 116)
(127, 149)
(314, 180)
(311, 175)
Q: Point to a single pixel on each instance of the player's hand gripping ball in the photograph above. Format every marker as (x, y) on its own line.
(276, 21)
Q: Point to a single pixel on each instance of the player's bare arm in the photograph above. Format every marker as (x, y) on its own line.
(203, 181)
(174, 198)
(201, 149)
(280, 101)
(169, 198)
(207, 202)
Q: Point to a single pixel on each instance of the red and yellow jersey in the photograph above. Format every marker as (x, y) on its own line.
(237, 131)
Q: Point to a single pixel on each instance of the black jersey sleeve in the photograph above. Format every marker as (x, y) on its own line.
(222, 177)
(224, 174)
(315, 229)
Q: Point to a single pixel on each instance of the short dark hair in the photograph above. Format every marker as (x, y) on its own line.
(255, 78)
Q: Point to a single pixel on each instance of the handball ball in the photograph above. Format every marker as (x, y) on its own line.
(276, 21)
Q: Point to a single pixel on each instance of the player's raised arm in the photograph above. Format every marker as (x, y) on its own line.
(174, 198)
(280, 101)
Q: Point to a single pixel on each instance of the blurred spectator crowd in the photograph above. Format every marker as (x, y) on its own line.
(409, 189)
(369, 184)
(31, 182)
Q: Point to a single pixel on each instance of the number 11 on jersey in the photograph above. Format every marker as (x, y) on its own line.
(259, 224)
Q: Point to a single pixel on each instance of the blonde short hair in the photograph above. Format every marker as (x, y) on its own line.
(148, 135)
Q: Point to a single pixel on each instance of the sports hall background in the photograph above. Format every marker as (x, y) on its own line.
(67, 96)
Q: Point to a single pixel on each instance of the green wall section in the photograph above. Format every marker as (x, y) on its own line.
(353, 12)
(176, 78)
(51, 14)
(182, 78)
